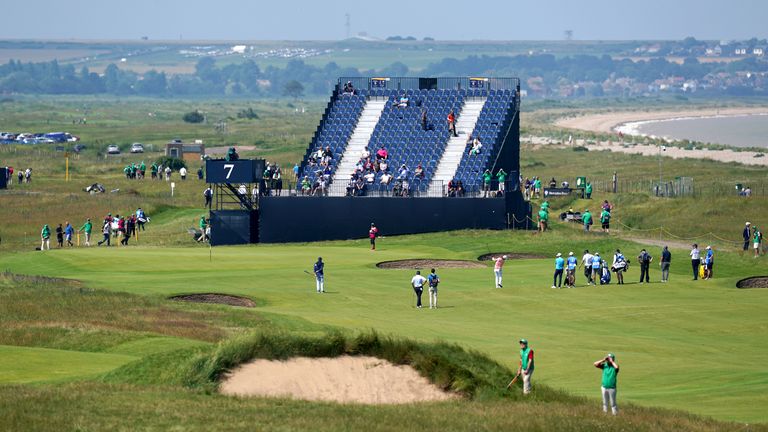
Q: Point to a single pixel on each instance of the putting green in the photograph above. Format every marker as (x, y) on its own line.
(697, 346)
(21, 365)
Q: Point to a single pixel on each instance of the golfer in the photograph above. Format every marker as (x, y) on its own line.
(666, 260)
(497, 269)
(433, 280)
(417, 282)
(559, 266)
(695, 260)
(586, 261)
(645, 265)
(372, 234)
(319, 278)
(610, 370)
(526, 365)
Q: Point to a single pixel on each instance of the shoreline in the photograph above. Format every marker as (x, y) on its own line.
(633, 128)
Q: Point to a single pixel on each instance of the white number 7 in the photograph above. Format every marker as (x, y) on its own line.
(229, 168)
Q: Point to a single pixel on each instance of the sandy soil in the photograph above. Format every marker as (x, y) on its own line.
(216, 299)
(427, 263)
(345, 379)
(742, 157)
(755, 282)
(609, 121)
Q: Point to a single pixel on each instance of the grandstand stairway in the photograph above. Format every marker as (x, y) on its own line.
(456, 147)
(359, 140)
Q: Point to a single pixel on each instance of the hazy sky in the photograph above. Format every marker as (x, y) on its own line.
(446, 19)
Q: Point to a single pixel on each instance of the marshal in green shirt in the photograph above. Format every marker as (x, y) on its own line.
(543, 215)
(609, 376)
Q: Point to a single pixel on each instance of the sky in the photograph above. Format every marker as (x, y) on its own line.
(325, 19)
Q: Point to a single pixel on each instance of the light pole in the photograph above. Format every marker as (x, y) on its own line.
(661, 149)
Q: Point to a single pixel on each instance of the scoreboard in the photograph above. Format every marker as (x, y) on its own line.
(239, 171)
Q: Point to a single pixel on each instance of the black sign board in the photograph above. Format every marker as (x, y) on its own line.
(3, 177)
(557, 192)
(239, 171)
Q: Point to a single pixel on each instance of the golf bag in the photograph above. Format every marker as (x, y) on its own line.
(605, 277)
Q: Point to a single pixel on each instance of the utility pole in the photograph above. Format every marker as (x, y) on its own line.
(348, 24)
(569, 35)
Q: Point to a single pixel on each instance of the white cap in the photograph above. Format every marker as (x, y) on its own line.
(570, 253)
(597, 253)
(749, 223)
(709, 247)
(559, 254)
(504, 257)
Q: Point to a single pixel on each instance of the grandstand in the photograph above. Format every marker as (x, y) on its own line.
(375, 116)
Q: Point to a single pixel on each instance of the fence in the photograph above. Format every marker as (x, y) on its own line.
(682, 187)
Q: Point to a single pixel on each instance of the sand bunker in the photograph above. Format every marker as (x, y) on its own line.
(753, 282)
(224, 299)
(427, 264)
(510, 255)
(345, 379)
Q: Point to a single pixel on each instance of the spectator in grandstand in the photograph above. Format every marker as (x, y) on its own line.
(406, 188)
(359, 186)
(349, 89)
(403, 173)
(403, 101)
(452, 188)
(418, 173)
(452, 123)
(424, 120)
(383, 166)
(666, 260)
(60, 236)
(644, 259)
(501, 176)
(386, 179)
(369, 177)
(747, 234)
(695, 260)
(306, 186)
(373, 232)
(586, 219)
(382, 154)
(68, 232)
(366, 154)
(475, 146)
(320, 188)
(487, 177)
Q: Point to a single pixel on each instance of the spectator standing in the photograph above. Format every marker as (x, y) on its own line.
(501, 176)
(757, 239)
(200, 173)
(645, 260)
(487, 177)
(68, 232)
(319, 268)
(60, 236)
(296, 172)
(168, 173)
(709, 263)
(608, 386)
(20, 176)
(695, 260)
(183, 173)
(570, 270)
(373, 232)
(417, 282)
(588, 190)
(666, 260)
(433, 280)
(747, 234)
(452, 123)
(557, 282)
(586, 218)
(498, 266)
(586, 262)
(87, 228)
(526, 365)
(208, 195)
(45, 236)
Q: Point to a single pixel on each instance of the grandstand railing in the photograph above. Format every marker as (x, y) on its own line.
(417, 189)
(441, 83)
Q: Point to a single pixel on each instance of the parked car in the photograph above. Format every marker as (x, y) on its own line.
(137, 148)
(113, 149)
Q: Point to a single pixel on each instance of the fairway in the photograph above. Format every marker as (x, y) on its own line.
(695, 346)
(21, 365)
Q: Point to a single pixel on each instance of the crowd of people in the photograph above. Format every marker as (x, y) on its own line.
(23, 176)
(121, 228)
(134, 171)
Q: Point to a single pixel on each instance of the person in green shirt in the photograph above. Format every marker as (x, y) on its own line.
(588, 190)
(487, 177)
(537, 187)
(605, 220)
(45, 235)
(545, 205)
(526, 365)
(757, 239)
(586, 218)
(501, 175)
(87, 228)
(202, 224)
(153, 171)
(610, 371)
(543, 219)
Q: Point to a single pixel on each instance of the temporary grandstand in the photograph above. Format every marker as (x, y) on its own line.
(340, 191)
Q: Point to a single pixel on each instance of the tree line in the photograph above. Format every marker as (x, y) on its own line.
(248, 79)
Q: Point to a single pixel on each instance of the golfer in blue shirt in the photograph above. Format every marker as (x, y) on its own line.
(596, 260)
(557, 282)
(570, 272)
(319, 281)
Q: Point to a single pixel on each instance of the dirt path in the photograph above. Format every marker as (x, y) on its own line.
(345, 379)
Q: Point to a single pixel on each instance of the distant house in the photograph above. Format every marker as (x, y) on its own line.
(740, 51)
(715, 51)
(759, 51)
(188, 152)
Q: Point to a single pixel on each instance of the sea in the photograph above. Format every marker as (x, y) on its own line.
(738, 131)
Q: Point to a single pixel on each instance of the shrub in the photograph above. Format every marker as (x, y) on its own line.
(172, 162)
(248, 114)
(580, 149)
(194, 117)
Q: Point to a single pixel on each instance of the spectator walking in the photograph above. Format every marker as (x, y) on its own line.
(106, 230)
(87, 228)
(424, 120)
(168, 173)
(586, 262)
(498, 266)
(619, 266)
(417, 282)
(747, 234)
(608, 385)
(557, 282)
(586, 219)
(543, 219)
(709, 262)
(605, 220)
(757, 239)
(537, 187)
(666, 260)
(68, 232)
(695, 260)
(141, 219)
(452, 123)
(45, 236)
(570, 270)
(526, 365)
(373, 232)
(645, 259)
(183, 173)
(319, 268)
(208, 195)
(60, 236)
(433, 281)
